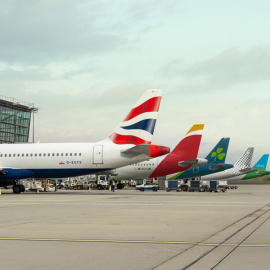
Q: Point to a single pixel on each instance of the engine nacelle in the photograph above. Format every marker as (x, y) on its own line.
(158, 150)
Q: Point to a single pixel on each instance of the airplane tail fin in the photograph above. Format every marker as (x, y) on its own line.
(262, 162)
(190, 144)
(186, 152)
(139, 125)
(219, 152)
(245, 160)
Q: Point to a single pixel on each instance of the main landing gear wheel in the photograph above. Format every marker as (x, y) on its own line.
(18, 188)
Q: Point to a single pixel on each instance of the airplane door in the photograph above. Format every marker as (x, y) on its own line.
(98, 154)
(196, 170)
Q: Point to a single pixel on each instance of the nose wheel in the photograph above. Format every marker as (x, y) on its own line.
(18, 189)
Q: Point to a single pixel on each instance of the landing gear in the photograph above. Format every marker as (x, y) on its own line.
(18, 188)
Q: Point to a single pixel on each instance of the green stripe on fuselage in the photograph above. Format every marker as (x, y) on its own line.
(175, 176)
(255, 174)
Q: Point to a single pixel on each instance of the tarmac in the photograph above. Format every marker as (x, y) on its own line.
(129, 229)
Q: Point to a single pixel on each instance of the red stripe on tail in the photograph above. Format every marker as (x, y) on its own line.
(127, 139)
(151, 105)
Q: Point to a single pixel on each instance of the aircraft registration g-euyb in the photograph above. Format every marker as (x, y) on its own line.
(129, 143)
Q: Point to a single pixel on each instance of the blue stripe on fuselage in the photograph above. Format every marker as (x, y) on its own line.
(47, 173)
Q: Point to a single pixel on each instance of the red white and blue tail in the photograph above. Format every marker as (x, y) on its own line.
(139, 125)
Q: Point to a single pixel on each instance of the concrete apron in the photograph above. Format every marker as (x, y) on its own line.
(211, 251)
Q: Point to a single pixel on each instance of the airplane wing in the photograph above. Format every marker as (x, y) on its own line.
(217, 166)
(248, 170)
(196, 161)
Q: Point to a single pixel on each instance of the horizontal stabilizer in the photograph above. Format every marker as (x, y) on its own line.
(247, 170)
(217, 166)
(261, 172)
(137, 150)
(196, 161)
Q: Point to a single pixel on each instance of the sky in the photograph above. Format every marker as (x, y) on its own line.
(86, 63)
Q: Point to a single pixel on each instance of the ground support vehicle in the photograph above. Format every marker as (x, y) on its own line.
(173, 185)
(144, 187)
(194, 185)
(84, 184)
(212, 186)
(224, 184)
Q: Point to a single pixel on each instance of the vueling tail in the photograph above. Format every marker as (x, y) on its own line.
(139, 125)
(219, 152)
(244, 161)
(262, 162)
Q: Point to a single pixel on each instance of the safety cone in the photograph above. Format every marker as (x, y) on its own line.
(0, 191)
(89, 190)
(37, 190)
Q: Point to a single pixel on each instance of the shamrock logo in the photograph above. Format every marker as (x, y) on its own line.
(218, 154)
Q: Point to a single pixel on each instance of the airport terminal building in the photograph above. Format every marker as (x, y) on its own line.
(15, 120)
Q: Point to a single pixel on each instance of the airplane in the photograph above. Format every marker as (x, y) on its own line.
(216, 159)
(129, 143)
(261, 170)
(184, 153)
(241, 166)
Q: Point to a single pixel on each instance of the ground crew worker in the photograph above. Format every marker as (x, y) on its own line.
(113, 185)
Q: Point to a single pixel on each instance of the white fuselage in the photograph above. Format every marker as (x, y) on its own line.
(233, 173)
(63, 159)
(141, 170)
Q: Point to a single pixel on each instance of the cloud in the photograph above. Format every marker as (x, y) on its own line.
(230, 67)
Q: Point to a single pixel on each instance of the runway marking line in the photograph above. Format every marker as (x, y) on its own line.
(128, 241)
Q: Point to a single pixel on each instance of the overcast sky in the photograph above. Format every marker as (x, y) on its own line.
(86, 63)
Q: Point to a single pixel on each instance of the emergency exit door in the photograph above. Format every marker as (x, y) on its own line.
(98, 154)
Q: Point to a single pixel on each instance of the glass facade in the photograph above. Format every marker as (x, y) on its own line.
(14, 122)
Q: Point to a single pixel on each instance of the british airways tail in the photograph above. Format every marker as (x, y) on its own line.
(262, 162)
(139, 125)
(219, 152)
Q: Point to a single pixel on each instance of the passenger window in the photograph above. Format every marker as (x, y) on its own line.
(18, 155)
(53, 155)
(75, 154)
(40, 155)
(70, 154)
(22, 155)
(14, 155)
(80, 154)
(1, 155)
(44, 155)
(35, 155)
(62, 154)
(9, 155)
(27, 155)
(49, 155)
(57, 154)
(66, 154)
